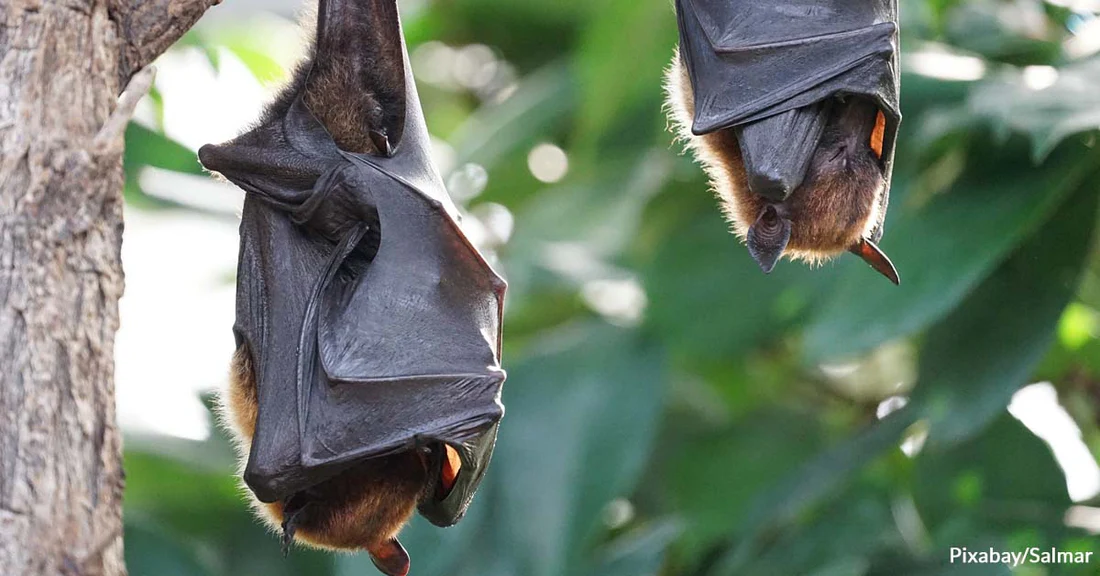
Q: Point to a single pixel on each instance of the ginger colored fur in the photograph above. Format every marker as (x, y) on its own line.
(829, 212)
(360, 508)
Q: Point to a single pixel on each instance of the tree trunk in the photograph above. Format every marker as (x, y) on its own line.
(62, 64)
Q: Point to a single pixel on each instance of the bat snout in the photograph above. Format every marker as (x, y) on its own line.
(262, 485)
(772, 184)
(777, 150)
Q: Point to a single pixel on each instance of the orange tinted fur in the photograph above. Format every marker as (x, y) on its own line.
(829, 212)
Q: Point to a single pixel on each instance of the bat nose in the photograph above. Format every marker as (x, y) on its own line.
(773, 184)
(777, 150)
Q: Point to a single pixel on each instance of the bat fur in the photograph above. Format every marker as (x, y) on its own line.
(835, 207)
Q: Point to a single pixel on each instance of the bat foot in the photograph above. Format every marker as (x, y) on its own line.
(288, 537)
(292, 512)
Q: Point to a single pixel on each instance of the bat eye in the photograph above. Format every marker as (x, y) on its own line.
(878, 134)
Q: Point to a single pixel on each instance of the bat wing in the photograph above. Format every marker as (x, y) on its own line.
(765, 68)
(749, 60)
(373, 322)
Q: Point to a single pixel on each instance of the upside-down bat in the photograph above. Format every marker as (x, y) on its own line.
(366, 382)
(791, 106)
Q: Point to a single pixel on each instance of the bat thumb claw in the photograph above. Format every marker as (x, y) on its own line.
(381, 142)
(292, 510)
(287, 540)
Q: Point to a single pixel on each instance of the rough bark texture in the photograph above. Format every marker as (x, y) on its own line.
(62, 64)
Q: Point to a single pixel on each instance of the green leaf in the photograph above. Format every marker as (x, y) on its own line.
(494, 131)
(151, 552)
(709, 302)
(1071, 105)
(710, 484)
(998, 481)
(585, 412)
(1014, 32)
(945, 249)
(815, 480)
(619, 74)
(259, 63)
(977, 357)
(145, 147)
(639, 554)
(841, 539)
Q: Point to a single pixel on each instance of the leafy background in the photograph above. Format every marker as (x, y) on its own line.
(671, 410)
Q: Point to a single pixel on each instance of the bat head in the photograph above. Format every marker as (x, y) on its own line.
(807, 184)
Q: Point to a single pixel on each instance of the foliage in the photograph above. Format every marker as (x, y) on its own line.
(731, 427)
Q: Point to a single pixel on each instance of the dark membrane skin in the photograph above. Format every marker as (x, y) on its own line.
(833, 209)
(366, 385)
(792, 109)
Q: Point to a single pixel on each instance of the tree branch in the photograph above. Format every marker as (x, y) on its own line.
(109, 136)
(149, 27)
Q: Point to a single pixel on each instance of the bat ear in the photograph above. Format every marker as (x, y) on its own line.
(768, 238)
(356, 83)
(871, 254)
(390, 558)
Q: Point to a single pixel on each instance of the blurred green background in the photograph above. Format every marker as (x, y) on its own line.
(670, 410)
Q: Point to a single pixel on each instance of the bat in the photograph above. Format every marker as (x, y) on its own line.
(366, 382)
(791, 107)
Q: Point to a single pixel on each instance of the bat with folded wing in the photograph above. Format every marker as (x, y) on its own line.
(791, 106)
(366, 382)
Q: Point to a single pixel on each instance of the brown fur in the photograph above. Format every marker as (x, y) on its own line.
(345, 113)
(360, 508)
(352, 84)
(835, 206)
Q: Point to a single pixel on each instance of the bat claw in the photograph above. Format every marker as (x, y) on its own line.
(288, 538)
(292, 511)
(381, 142)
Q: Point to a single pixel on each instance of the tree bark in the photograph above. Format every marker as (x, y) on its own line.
(62, 64)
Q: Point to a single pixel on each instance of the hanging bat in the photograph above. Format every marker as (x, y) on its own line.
(791, 107)
(366, 383)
